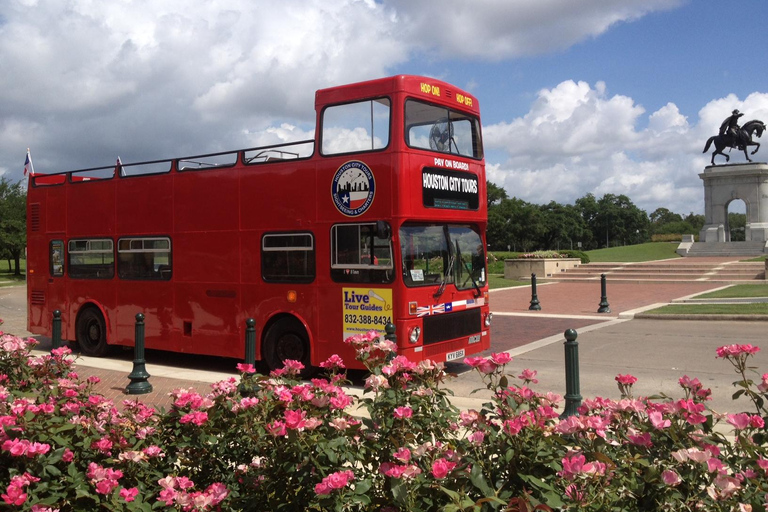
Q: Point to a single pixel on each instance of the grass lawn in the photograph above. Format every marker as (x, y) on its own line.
(6, 275)
(498, 281)
(740, 290)
(632, 253)
(712, 309)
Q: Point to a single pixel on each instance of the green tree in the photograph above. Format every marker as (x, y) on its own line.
(737, 223)
(495, 194)
(588, 210)
(562, 226)
(514, 223)
(13, 221)
(620, 221)
(696, 221)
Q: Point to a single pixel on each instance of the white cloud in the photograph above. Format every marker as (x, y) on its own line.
(575, 140)
(501, 29)
(86, 80)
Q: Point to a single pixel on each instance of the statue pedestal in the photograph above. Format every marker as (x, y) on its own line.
(725, 183)
(712, 233)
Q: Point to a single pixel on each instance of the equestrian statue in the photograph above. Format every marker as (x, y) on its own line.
(734, 136)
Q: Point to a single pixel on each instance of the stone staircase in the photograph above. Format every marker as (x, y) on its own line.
(726, 249)
(663, 272)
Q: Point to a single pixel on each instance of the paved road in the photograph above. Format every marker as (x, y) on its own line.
(657, 352)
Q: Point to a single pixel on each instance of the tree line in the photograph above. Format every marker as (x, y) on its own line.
(589, 223)
(13, 223)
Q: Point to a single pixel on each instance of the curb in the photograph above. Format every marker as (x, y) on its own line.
(748, 318)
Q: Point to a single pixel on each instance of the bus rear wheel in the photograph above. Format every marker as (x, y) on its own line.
(91, 333)
(287, 339)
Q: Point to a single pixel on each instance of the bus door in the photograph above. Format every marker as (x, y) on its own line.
(47, 286)
(144, 270)
(362, 266)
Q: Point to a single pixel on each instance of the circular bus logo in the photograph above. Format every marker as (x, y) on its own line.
(353, 188)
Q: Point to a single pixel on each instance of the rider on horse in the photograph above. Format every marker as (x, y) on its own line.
(730, 127)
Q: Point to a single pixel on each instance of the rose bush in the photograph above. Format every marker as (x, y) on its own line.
(274, 442)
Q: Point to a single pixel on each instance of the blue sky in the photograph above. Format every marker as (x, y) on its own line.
(577, 97)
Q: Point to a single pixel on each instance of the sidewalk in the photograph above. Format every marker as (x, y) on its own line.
(657, 352)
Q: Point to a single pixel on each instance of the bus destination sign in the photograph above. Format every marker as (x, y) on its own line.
(454, 190)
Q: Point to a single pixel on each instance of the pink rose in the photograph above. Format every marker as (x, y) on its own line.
(403, 412)
(627, 380)
(441, 468)
(129, 494)
(501, 358)
(670, 477)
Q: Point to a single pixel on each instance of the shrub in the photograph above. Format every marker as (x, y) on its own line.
(277, 443)
(577, 254)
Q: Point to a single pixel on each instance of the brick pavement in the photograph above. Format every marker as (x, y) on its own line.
(113, 383)
(564, 305)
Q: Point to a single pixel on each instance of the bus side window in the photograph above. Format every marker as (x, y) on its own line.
(57, 258)
(144, 259)
(358, 255)
(288, 257)
(92, 258)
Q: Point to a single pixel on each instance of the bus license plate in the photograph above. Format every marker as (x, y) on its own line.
(474, 339)
(452, 356)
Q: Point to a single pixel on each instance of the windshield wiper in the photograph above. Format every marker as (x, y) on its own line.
(449, 270)
(469, 272)
(477, 286)
(448, 273)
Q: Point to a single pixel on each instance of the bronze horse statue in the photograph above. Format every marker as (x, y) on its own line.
(742, 142)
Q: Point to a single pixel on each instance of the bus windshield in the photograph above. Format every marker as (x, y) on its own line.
(441, 129)
(442, 253)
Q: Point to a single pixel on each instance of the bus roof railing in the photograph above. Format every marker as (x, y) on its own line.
(261, 149)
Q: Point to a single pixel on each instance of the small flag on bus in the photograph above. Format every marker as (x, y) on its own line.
(28, 169)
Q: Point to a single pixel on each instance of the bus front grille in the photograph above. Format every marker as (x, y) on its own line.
(448, 326)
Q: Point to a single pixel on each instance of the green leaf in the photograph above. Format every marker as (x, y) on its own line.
(363, 486)
(399, 492)
(52, 470)
(536, 482)
(478, 480)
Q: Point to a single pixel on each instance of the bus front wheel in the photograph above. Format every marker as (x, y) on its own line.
(287, 339)
(92, 333)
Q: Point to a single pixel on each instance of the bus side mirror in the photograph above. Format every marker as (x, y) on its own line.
(383, 230)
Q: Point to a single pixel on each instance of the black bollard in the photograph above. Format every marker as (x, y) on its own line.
(604, 306)
(250, 341)
(56, 330)
(139, 384)
(535, 306)
(390, 335)
(572, 387)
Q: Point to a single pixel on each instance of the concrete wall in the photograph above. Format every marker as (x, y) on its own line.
(521, 269)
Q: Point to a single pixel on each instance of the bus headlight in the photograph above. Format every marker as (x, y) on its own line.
(414, 335)
(488, 319)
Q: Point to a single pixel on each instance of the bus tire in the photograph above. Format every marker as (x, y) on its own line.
(287, 339)
(91, 332)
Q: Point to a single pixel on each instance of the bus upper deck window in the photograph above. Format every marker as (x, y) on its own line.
(353, 127)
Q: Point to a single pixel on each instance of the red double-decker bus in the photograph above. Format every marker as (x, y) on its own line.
(379, 218)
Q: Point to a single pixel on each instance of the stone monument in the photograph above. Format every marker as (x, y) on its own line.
(725, 183)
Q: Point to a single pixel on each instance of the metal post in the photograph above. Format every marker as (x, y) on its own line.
(139, 383)
(56, 330)
(572, 388)
(390, 335)
(535, 306)
(604, 306)
(250, 341)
